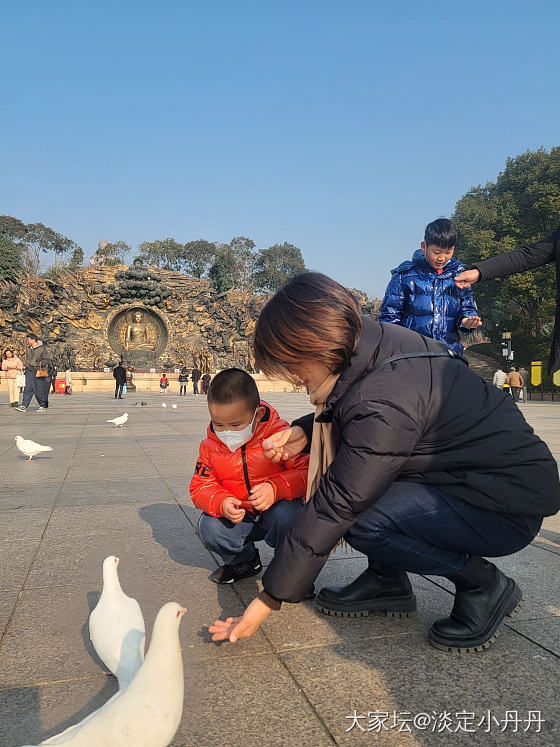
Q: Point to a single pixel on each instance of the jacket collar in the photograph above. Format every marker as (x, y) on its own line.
(419, 260)
(361, 360)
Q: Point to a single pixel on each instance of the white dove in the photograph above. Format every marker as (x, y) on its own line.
(174, 407)
(121, 420)
(30, 448)
(163, 405)
(116, 627)
(149, 711)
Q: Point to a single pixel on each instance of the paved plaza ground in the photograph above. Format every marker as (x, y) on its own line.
(300, 680)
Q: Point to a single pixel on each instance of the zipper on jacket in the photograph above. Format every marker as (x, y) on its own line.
(246, 473)
(245, 470)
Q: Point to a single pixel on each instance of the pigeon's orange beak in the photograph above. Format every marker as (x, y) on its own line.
(181, 611)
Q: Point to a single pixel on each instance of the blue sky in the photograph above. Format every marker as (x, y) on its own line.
(342, 127)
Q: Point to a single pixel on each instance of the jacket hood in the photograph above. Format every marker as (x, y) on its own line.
(266, 427)
(419, 261)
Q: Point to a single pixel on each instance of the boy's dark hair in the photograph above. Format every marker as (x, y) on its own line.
(32, 336)
(232, 385)
(442, 233)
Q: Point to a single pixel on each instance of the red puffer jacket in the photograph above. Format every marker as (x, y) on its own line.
(220, 473)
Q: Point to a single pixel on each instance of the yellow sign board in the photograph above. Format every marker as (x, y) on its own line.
(536, 373)
(556, 378)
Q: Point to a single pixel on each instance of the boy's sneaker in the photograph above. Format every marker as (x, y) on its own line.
(20, 408)
(41, 409)
(227, 574)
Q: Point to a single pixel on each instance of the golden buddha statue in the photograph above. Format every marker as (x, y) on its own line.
(137, 335)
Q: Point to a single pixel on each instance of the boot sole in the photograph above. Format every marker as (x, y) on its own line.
(399, 607)
(512, 604)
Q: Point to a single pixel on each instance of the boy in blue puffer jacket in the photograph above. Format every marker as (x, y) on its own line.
(422, 294)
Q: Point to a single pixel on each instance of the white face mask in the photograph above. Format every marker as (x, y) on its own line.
(235, 439)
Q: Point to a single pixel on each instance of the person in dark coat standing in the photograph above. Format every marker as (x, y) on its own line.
(37, 379)
(183, 378)
(523, 258)
(53, 374)
(119, 374)
(196, 373)
(414, 460)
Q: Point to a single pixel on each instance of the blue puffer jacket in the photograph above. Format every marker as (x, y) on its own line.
(431, 304)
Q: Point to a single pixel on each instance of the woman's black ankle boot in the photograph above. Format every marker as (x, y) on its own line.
(380, 588)
(484, 596)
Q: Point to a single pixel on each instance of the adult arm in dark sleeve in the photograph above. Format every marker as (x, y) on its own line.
(377, 440)
(521, 259)
(306, 424)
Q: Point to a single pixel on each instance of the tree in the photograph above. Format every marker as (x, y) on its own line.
(223, 270)
(165, 253)
(34, 239)
(198, 257)
(10, 259)
(242, 248)
(276, 265)
(522, 206)
(76, 260)
(112, 254)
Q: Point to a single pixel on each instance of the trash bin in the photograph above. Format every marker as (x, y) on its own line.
(60, 386)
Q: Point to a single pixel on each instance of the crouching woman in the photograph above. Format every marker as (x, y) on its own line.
(414, 460)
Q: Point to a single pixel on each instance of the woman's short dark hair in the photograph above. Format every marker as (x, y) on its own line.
(311, 318)
(233, 385)
(9, 350)
(441, 233)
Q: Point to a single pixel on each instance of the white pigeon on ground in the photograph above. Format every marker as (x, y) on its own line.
(116, 627)
(30, 448)
(174, 407)
(148, 712)
(121, 420)
(163, 405)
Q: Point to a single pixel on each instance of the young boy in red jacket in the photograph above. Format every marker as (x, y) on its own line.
(244, 496)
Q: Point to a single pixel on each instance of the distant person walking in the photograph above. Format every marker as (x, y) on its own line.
(37, 381)
(525, 376)
(206, 383)
(499, 379)
(196, 374)
(183, 378)
(13, 367)
(515, 382)
(163, 384)
(68, 381)
(54, 374)
(119, 374)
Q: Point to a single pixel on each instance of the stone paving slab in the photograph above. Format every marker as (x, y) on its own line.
(15, 562)
(403, 675)
(118, 490)
(124, 491)
(21, 496)
(7, 601)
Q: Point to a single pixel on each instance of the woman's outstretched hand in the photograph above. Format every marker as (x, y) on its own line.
(285, 444)
(241, 627)
(467, 278)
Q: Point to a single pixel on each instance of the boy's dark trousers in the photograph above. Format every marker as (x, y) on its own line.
(118, 389)
(234, 543)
